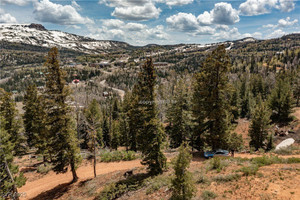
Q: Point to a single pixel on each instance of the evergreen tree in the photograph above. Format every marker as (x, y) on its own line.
(150, 133)
(12, 124)
(211, 98)
(93, 118)
(281, 101)
(10, 178)
(35, 121)
(124, 121)
(64, 143)
(115, 110)
(106, 133)
(179, 117)
(115, 135)
(182, 184)
(259, 127)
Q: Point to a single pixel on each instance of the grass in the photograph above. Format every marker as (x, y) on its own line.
(107, 156)
(44, 168)
(290, 150)
(207, 195)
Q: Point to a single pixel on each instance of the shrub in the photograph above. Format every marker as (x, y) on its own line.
(218, 163)
(108, 156)
(155, 183)
(44, 168)
(227, 178)
(207, 195)
(249, 170)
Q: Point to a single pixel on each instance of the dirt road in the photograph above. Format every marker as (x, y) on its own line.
(51, 180)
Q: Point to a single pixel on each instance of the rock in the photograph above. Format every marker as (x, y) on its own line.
(285, 143)
(38, 27)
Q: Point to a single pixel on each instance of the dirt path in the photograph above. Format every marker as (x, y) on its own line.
(120, 92)
(51, 180)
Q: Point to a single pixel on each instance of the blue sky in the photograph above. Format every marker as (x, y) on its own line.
(141, 22)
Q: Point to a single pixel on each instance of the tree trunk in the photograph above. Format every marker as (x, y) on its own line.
(75, 177)
(95, 159)
(15, 195)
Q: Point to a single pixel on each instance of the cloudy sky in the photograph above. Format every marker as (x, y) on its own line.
(141, 22)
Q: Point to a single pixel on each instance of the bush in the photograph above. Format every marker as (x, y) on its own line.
(266, 160)
(249, 170)
(113, 156)
(218, 163)
(227, 178)
(155, 183)
(44, 168)
(207, 195)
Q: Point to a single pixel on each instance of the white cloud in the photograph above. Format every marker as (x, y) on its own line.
(259, 7)
(276, 34)
(205, 18)
(231, 34)
(223, 13)
(16, 2)
(124, 3)
(183, 22)
(205, 30)
(282, 23)
(76, 5)
(286, 5)
(138, 13)
(113, 23)
(6, 18)
(134, 33)
(46, 11)
(135, 27)
(175, 2)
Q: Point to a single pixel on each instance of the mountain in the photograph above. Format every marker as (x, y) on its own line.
(38, 35)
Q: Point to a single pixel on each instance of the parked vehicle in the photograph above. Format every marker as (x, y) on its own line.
(219, 152)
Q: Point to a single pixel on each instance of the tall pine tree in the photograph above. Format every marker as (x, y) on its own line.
(64, 143)
(150, 133)
(211, 98)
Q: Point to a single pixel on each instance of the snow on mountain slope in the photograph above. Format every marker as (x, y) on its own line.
(36, 34)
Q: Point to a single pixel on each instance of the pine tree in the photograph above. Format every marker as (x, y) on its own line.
(64, 143)
(259, 127)
(211, 98)
(10, 178)
(12, 124)
(35, 121)
(93, 118)
(281, 101)
(124, 121)
(179, 117)
(115, 110)
(106, 133)
(115, 135)
(182, 184)
(150, 133)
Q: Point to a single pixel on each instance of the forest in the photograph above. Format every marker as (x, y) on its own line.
(192, 105)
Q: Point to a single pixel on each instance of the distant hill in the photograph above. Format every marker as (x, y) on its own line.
(37, 35)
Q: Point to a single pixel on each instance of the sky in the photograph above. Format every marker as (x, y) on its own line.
(141, 22)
